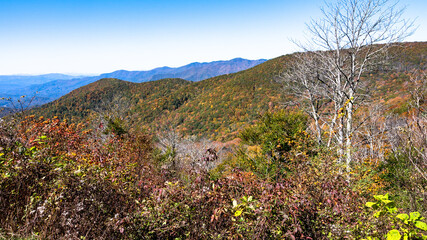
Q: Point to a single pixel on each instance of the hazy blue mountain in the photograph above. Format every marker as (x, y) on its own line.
(193, 72)
(49, 87)
(8, 82)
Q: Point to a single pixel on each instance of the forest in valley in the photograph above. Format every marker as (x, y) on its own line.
(329, 143)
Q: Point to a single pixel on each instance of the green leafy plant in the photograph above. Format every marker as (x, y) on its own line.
(411, 225)
(403, 226)
(383, 205)
(245, 208)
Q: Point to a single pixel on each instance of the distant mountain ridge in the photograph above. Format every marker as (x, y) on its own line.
(52, 86)
(193, 72)
(9, 82)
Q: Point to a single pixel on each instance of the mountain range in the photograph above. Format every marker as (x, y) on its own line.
(10, 82)
(49, 87)
(220, 106)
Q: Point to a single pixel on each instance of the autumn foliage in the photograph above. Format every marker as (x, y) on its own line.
(63, 181)
(96, 172)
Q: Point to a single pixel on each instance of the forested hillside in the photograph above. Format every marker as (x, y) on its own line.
(218, 107)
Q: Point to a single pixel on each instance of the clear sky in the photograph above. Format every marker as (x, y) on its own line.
(97, 36)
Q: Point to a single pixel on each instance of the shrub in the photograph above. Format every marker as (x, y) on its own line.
(385, 222)
(60, 181)
(271, 144)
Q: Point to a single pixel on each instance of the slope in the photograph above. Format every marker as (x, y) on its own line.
(100, 95)
(218, 107)
(175, 103)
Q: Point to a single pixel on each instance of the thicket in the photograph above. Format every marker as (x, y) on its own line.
(61, 181)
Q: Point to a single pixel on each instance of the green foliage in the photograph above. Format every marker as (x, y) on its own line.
(400, 226)
(271, 144)
(404, 181)
(246, 207)
(115, 126)
(277, 133)
(383, 205)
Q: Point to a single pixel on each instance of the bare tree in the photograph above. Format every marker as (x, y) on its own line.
(348, 40)
(371, 137)
(414, 134)
(111, 116)
(185, 153)
(18, 106)
(302, 82)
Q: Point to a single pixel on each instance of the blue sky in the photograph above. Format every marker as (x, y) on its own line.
(94, 36)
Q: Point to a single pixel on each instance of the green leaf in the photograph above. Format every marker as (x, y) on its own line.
(378, 197)
(403, 216)
(394, 235)
(381, 197)
(392, 210)
(370, 204)
(250, 198)
(421, 225)
(415, 216)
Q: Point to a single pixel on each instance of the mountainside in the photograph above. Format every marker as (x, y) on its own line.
(104, 94)
(218, 107)
(188, 106)
(52, 86)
